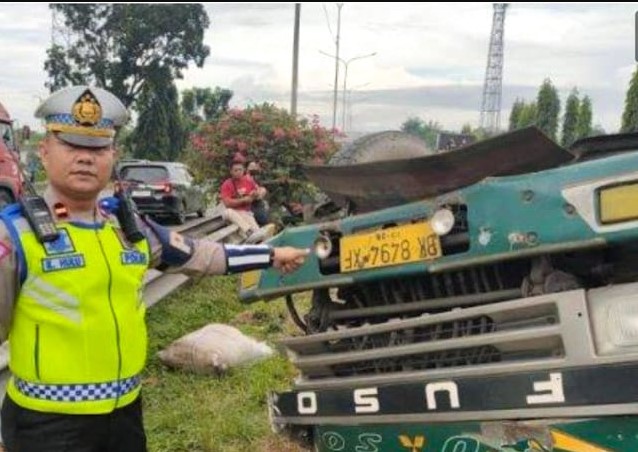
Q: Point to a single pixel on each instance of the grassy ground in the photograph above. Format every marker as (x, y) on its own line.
(196, 413)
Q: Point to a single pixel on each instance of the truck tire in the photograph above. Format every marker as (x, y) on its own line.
(387, 145)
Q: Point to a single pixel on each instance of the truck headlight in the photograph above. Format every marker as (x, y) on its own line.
(614, 314)
(442, 221)
(322, 247)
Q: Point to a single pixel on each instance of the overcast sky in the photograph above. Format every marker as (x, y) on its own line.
(430, 58)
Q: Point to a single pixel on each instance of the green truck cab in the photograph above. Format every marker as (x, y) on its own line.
(485, 299)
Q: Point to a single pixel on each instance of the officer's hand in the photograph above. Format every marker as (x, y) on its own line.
(288, 259)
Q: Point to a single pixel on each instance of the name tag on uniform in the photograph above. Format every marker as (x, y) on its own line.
(133, 257)
(52, 264)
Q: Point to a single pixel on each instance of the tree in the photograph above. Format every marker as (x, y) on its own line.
(597, 130)
(159, 134)
(269, 135)
(583, 128)
(477, 134)
(527, 116)
(427, 131)
(204, 104)
(570, 119)
(120, 47)
(630, 114)
(547, 109)
(515, 114)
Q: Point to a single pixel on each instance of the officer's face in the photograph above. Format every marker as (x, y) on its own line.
(76, 171)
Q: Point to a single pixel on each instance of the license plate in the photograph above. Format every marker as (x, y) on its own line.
(392, 246)
(140, 193)
(618, 203)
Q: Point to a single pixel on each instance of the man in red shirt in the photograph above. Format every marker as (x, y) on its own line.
(237, 193)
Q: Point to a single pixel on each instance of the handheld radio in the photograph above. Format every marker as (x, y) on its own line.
(36, 211)
(126, 216)
(126, 212)
(39, 216)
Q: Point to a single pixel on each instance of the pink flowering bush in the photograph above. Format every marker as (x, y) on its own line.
(266, 134)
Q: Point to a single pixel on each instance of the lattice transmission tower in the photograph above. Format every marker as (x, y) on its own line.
(493, 85)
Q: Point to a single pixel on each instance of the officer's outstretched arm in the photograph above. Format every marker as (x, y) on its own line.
(177, 253)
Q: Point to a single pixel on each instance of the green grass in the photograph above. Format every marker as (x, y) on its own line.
(199, 413)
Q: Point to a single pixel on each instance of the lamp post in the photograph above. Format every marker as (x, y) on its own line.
(334, 102)
(345, 80)
(349, 102)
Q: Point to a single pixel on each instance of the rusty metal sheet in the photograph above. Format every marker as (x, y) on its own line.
(604, 145)
(377, 185)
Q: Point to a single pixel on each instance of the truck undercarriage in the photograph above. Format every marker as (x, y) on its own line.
(514, 331)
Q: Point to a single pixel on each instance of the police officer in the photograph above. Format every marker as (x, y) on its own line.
(77, 334)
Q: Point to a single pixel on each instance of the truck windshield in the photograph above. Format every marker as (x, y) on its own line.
(7, 136)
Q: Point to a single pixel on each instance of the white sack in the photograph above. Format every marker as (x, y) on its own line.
(213, 349)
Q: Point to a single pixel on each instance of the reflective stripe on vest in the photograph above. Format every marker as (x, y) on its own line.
(78, 392)
(78, 337)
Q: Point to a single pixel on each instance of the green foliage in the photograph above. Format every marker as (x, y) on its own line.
(583, 127)
(630, 114)
(478, 133)
(570, 119)
(269, 135)
(522, 115)
(427, 131)
(121, 46)
(527, 116)
(159, 134)
(204, 104)
(577, 121)
(515, 114)
(597, 130)
(547, 109)
(34, 167)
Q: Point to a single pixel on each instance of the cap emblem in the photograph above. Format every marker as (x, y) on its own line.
(87, 110)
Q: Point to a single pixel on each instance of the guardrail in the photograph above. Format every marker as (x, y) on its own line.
(158, 285)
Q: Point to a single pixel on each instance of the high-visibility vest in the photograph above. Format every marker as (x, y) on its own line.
(78, 336)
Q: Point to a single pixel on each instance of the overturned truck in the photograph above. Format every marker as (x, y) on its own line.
(484, 299)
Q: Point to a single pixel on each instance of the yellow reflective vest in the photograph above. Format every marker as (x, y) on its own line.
(78, 337)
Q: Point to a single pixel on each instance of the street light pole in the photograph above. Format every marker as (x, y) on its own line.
(345, 80)
(345, 84)
(349, 102)
(334, 99)
(295, 63)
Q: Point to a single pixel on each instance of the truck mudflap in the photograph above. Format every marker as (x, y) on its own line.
(617, 434)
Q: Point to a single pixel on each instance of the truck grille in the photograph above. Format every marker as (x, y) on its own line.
(483, 339)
